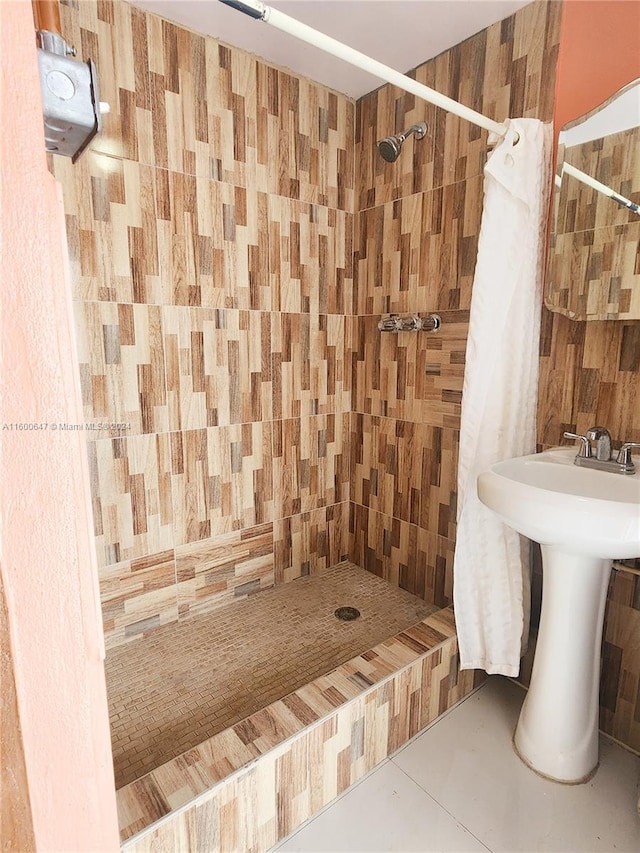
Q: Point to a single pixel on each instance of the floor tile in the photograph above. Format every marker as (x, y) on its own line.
(467, 764)
(386, 811)
(188, 681)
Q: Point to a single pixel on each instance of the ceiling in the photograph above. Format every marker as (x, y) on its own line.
(399, 33)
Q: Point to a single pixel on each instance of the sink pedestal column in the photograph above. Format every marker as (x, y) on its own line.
(557, 733)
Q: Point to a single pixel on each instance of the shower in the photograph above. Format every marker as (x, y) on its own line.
(390, 146)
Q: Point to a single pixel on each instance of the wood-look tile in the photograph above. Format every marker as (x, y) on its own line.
(114, 222)
(583, 380)
(226, 568)
(114, 35)
(410, 376)
(221, 667)
(415, 247)
(419, 253)
(138, 596)
(150, 235)
(309, 136)
(310, 542)
(620, 684)
(219, 366)
(310, 257)
(222, 113)
(613, 159)
(191, 104)
(404, 554)
(122, 372)
(294, 805)
(131, 495)
(504, 71)
(141, 234)
(309, 371)
(594, 260)
(387, 256)
(450, 227)
(178, 87)
(221, 480)
(595, 274)
(310, 463)
(213, 243)
(295, 366)
(207, 133)
(405, 470)
(292, 780)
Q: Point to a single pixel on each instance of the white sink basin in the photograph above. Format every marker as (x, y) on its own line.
(549, 499)
(583, 519)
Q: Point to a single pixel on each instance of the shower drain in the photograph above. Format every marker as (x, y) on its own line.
(347, 614)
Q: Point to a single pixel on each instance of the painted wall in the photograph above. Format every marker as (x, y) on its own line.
(598, 54)
(210, 240)
(590, 372)
(15, 804)
(49, 574)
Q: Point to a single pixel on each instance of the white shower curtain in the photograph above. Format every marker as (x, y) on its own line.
(491, 572)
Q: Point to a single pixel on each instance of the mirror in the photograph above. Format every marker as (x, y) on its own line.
(594, 260)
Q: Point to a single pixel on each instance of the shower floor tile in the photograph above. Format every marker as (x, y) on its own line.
(188, 681)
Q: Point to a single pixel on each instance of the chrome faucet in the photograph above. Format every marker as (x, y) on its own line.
(599, 438)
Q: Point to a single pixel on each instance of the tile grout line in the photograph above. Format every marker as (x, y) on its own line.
(204, 795)
(440, 806)
(359, 639)
(419, 785)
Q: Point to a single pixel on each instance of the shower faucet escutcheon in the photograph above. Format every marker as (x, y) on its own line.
(390, 146)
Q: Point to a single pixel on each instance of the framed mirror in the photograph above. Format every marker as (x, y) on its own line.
(594, 258)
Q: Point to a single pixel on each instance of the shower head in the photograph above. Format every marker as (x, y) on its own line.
(390, 146)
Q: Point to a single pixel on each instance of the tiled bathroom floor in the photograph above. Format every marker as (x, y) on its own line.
(460, 787)
(186, 682)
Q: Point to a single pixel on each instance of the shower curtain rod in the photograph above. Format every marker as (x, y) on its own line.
(584, 178)
(261, 12)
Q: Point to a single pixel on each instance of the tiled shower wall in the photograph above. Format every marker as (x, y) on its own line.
(416, 242)
(210, 229)
(415, 248)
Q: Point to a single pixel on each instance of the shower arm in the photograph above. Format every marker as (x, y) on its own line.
(261, 12)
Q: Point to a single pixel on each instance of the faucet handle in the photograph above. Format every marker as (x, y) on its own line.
(624, 454)
(585, 448)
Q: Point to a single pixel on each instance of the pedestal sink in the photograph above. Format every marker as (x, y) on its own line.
(583, 519)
